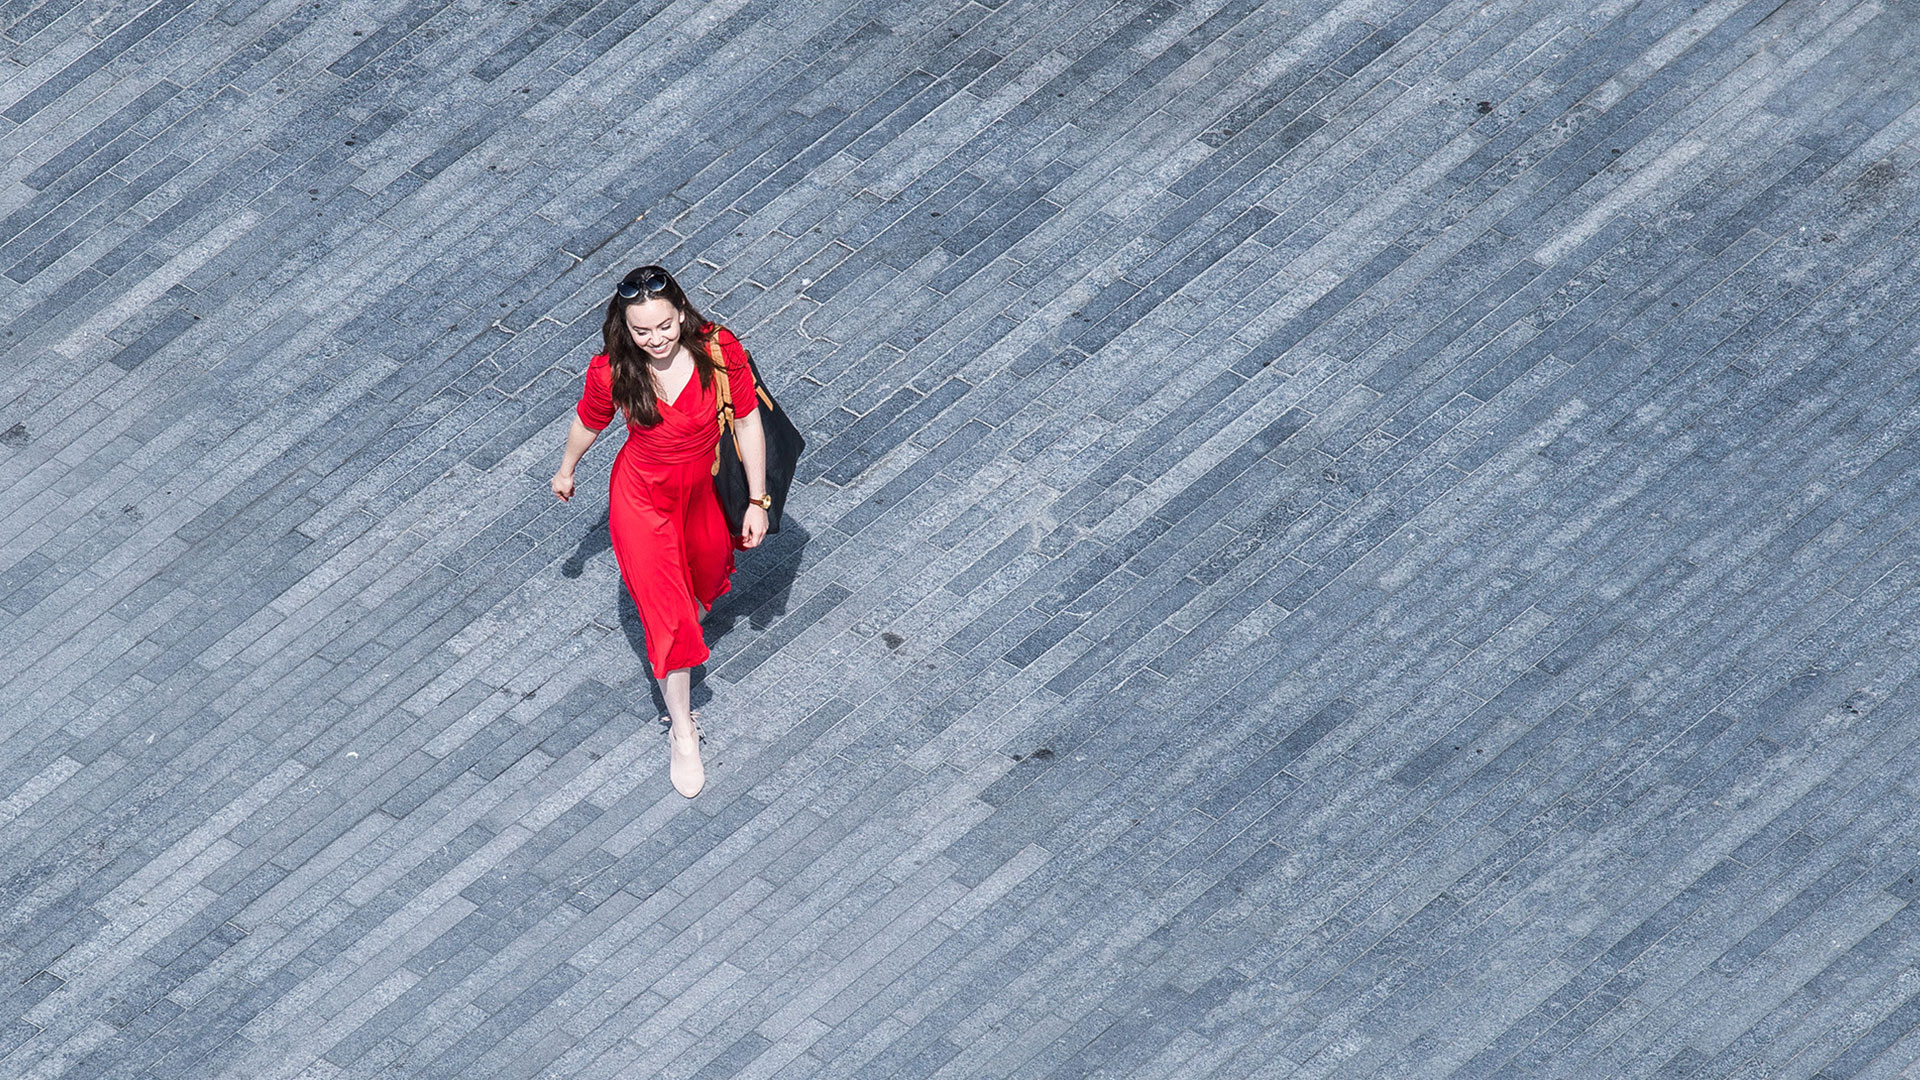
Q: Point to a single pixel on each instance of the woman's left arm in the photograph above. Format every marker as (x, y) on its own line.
(753, 454)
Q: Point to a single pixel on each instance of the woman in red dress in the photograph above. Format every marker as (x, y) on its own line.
(669, 536)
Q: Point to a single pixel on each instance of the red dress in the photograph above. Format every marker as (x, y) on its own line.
(669, 536)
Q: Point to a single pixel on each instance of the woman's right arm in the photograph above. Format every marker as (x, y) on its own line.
(595, 408)
(579, 437)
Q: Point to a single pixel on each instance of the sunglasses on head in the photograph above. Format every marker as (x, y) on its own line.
(647, 279)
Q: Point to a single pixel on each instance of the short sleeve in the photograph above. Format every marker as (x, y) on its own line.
(596, 395)
(739, 373)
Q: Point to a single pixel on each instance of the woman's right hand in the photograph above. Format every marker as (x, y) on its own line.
(563, 485)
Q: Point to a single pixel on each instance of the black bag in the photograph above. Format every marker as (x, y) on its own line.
(784, 444)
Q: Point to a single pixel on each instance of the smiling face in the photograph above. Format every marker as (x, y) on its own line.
(655, 326)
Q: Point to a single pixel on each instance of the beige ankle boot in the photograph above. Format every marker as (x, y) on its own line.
(684, 766)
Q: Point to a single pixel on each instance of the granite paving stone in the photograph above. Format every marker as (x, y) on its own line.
(1360, 538)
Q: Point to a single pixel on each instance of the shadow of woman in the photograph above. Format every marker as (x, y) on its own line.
(596, 540)
(762, 584)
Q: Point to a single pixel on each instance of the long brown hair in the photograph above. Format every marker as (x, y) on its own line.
(632, 381)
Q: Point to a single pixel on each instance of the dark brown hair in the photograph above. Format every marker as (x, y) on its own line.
(632, 381)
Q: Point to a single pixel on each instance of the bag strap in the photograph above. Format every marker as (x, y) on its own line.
(724, 414)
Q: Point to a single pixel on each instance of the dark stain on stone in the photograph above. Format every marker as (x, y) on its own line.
(1873, 186)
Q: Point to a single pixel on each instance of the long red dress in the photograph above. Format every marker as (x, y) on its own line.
(669, 536)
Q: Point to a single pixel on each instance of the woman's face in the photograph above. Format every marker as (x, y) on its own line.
(655, 326)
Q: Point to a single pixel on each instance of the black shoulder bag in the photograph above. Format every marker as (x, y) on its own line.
(784, 445)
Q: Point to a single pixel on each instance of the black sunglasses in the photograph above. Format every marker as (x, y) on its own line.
(647, 279)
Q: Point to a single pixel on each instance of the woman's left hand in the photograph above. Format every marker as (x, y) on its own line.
(753, 527)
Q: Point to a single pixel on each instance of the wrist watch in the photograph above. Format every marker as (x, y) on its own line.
(764, 502)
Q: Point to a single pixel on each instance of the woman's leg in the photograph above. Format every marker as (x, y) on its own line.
(641, 518)
(677, 688)
(683, 739)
